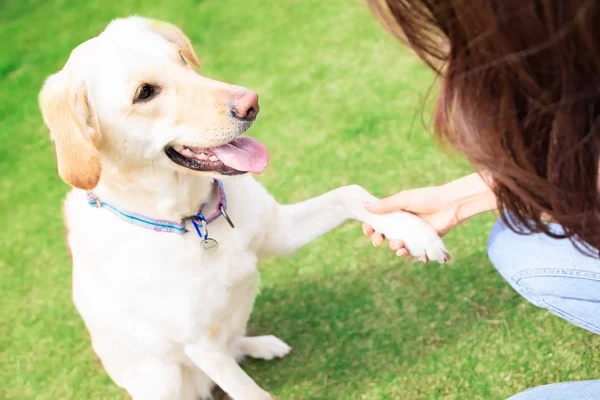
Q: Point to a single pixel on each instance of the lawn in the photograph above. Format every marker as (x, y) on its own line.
(341, 103)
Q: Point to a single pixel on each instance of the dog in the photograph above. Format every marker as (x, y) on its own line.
(166, 224)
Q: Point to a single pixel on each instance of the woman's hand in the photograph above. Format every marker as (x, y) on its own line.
(444, 207)
(428, 203)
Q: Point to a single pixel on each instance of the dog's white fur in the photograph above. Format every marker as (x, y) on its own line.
(166, 318)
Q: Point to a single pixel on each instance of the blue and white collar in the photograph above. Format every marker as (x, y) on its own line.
(198, 220)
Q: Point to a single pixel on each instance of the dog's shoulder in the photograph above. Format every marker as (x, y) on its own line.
(247, 196)
(75, 207)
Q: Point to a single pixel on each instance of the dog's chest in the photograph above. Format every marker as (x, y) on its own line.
(168, 281)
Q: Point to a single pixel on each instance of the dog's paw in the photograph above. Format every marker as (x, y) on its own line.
(265, 347)
(420, 239)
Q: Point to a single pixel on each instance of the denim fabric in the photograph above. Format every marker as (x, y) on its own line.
(554, 275)
(584, 390)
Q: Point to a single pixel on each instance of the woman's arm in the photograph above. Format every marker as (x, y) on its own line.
(471, 195)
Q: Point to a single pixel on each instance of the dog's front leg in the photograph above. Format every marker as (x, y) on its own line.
(294, 226)
(217, 361)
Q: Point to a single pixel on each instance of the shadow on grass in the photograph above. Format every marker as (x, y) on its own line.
(360, 328)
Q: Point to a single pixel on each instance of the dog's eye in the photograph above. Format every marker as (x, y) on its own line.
(145, 92)
(183, 59)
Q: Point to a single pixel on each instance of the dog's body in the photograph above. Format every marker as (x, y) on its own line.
(167, 317)
(148, 298)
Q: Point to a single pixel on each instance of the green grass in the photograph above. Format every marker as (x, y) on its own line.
(341, 103)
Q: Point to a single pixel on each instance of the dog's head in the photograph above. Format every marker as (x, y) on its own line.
(130, 97)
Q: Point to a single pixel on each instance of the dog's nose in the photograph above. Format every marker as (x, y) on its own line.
(245, 106)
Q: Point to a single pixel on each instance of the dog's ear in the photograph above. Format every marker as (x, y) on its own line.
(176, 36)
(68, 115)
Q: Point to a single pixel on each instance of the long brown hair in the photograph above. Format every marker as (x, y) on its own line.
(520, 97)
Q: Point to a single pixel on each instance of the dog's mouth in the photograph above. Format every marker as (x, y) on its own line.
(244, 154)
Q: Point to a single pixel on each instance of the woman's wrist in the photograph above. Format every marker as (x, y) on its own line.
(471, 195)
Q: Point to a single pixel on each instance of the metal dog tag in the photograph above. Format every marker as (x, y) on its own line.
(210, 244)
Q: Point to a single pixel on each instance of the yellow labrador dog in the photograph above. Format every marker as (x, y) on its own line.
(166, 226)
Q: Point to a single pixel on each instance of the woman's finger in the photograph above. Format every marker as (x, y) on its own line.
(395, 245)
(367, 229)
(399, 201)
(402, 252)
(377, 239)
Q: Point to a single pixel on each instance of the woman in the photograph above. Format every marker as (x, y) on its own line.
(520, 97)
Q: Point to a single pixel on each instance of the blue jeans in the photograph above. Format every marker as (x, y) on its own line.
(554, 275)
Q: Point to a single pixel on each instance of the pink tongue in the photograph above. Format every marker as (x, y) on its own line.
(244, 154)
